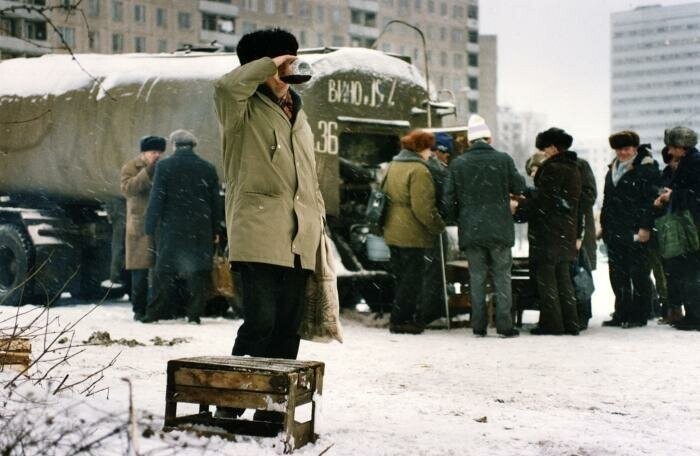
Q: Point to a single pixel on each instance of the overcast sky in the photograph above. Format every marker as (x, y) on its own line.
(554, 58)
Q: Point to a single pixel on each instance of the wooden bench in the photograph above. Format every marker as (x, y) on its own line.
(15, 353)
(278, 385)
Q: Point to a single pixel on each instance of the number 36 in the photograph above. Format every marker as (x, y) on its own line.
(328, 143)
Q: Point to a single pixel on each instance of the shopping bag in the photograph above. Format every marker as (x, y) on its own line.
(677, 234)
(221, 277)
(321, 316)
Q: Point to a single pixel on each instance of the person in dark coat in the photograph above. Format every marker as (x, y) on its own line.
(433, 300)
(477, 196)
(183, 214)
(684, 195)
(553, 217)
(586, 243)
(626, 220)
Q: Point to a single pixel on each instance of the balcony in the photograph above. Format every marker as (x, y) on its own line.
(220, 9)
(473, 47)
(365, 5)
(14, 45)
(227, 39)
(361, 30)
(20, 13)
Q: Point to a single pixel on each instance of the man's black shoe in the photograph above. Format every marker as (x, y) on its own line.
(537, 331)
(509, 333)
(147, 319)
(687, 324)
(479, 332)
(612, 322)
(405, 328)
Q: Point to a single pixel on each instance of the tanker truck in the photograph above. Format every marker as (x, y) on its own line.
(67, 126)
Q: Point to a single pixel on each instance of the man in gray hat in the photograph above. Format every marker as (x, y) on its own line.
(684, 195)
(183, 216)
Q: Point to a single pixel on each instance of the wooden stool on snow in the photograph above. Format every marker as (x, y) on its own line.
(279, 385)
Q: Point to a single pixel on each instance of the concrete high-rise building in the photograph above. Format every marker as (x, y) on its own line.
(517, 131)
(487, 83)
(451, 30)
(655, 70)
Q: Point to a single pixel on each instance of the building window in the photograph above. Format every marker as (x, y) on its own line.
(473, 83)
(443, 58)
(458, 11)
(417, 5)
(117, 42)
(302, 38)
(208, 22)
(251, 5)
(319, 39)
(431, 6)
(270, 6)
(68, 34)
(473, 12)
(162, 45)
(117, 11)
(184, 20)
(161, 17)
(320, 13)
(248, 27)
(473, 59)
(473, 36)
(338, 41)
(139, 13)
(139, 44)
(94, 40)
(457, 36)
(443, 9)
(386, 47)
(287, 7)
(443, 34)
(473, 106)
(304, 9)
(37, 31)
(458, 60)
(94, 8)
(337, 15)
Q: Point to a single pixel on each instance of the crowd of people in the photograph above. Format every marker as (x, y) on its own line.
(483, 194)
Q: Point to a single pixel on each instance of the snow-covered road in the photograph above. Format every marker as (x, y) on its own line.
(608, 391)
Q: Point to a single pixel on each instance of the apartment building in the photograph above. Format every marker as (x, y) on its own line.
(450, 29)
(655, 70)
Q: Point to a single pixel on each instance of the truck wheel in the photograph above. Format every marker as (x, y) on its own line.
(15, 254)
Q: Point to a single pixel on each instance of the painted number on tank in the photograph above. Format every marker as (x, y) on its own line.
(328, 131)
(379, 93)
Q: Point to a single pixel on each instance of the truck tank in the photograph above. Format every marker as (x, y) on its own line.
(68, 126)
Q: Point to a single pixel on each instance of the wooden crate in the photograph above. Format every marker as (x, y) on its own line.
(15, 353)
(279, 385)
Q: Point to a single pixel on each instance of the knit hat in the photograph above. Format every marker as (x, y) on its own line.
(183, 138)
(266, 43)
(444, 143)
(477, 128)
(624, 138)
(680, 137)
(152, 143)
(554, 137)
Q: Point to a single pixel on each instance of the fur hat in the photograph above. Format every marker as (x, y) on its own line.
(444, 143)
(183, 138)
(680, 137)
(535, 161)
(624, 138)
(266, 43)
(477, 128)
(152, 143)
(554, 137)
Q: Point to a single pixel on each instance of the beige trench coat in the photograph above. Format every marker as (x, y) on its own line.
(136, 186)
(274, 207)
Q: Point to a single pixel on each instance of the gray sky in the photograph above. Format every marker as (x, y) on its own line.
(554, 58)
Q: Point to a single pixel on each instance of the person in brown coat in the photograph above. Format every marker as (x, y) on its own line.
(136, 181)
(554, 220)
(412, 222)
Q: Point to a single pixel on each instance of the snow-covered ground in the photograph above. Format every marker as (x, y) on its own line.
(608, 391)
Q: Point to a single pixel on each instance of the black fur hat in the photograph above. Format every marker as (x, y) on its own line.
(624, 138)
(152, 143)
(554, 137)
(266, 43)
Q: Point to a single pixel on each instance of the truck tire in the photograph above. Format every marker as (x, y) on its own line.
(15, 263)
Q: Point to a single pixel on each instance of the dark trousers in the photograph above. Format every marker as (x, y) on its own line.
(630, 280)
(407, 267)
(174, 289)
(139, 291)
(433, 301)
(497, 260)
(273, 302)
(684, 284)
(557, 299)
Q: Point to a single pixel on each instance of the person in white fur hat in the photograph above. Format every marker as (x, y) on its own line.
(477, 196)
